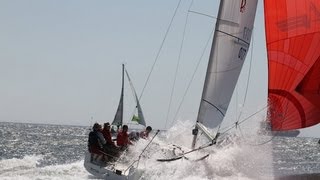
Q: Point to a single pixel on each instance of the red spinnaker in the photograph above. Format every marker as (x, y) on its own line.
(293, 45)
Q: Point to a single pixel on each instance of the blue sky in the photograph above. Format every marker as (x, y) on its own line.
(61, 60)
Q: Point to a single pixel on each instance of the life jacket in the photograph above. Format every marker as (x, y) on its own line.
(122, 139)
(107, 136)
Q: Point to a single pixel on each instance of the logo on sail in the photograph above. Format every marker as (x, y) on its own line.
(300, 21)
(242, 53)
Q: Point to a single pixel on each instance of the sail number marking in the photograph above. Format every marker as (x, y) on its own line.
(300, 21)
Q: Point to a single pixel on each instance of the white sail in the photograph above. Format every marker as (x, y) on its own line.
(229, 48)
(140, 117)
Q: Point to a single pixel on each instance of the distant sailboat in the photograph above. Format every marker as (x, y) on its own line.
(139, 118)
(113, 170)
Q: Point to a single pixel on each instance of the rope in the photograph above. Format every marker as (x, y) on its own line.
(237, 125)
(259, 144)
(158, 54)
(192, 78)
(245, 119)
(178, 63)
(249, 75)
(197, 149)
(142, 152)
(184, 153)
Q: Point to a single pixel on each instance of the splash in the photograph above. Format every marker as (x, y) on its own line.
(235, 159)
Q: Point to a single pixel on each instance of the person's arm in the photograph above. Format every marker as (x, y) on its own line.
(101, 138)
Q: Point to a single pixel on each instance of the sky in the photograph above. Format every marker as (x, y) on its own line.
(61, 61)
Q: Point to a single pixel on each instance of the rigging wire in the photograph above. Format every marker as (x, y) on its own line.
(245, 119)
(192, 77)
(238, 122)
(249, 75)
(133, 92)
(245, 98)
(137, 161)
(236, 125)
(161, 46)
(177, 67)
(199, 13)
(258, 144)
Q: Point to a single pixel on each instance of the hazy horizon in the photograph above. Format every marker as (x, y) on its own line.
(61, 61)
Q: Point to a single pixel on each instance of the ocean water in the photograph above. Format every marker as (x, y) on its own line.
(34, 151)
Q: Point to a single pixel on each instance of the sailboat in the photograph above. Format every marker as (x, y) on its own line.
(294, 76)
(230, 46)
(118, 118)
(113, 170)
(293, 44)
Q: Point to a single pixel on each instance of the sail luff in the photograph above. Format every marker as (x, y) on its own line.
(118, 119)
(210, 62)
(229, 49)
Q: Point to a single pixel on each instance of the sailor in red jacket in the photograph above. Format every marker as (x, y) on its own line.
(110, 148)
(145, 134)
(123, 138)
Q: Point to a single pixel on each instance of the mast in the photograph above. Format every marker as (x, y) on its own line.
(118, 119)
(229, 48)
(195, 130)
(122, 94)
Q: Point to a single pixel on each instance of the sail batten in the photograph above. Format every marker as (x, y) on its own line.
(229, 49)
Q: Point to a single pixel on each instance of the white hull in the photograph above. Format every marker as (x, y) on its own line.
(109, 172)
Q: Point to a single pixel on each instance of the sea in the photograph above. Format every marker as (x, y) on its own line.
(54, 152)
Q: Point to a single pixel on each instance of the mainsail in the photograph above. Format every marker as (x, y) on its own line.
(293, 45)
(139, 118)
(118, 118)
(229, 49)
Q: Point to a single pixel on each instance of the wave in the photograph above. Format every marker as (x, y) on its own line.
(242, 156)
(231, 161)
(28, 168)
